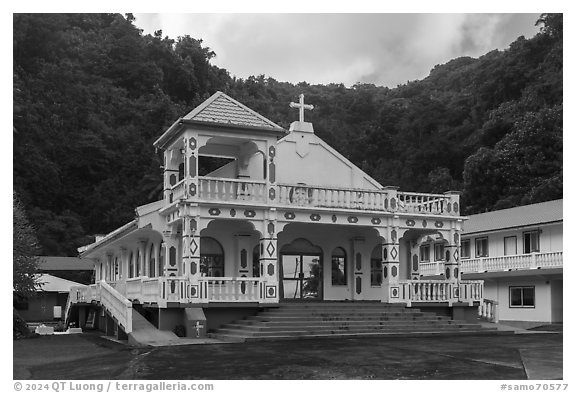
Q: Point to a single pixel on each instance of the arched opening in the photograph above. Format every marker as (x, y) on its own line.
(339, 266)
(162, 258)
(211, 257)
(300, 270)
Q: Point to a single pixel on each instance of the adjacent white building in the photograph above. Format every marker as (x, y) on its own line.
(518, 254)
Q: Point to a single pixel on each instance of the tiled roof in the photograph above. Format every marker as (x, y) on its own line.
(64, 263)
(538, 213)
(221, 109)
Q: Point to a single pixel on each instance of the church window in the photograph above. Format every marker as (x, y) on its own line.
(211, 258)
(339, 268)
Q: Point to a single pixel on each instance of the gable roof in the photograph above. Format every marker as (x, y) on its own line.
(64, 263)
(56, 284)
(535, 214)
(222, 109)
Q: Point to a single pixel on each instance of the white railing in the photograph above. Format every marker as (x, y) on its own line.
(178, 190)
(117, 305)
(411, 202)
(110, 298)
(488, 310)
(513, 262)
(471, 291)
(133, 289)
(231, 289)
(431, 268)
(438, 291)
(332, 197)
(220, 189)
(150, 290)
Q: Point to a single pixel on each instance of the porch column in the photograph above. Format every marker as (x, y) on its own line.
(109, 270)
(170, 255)
(414, 260)
(356, 263)
(123, 263)
(140, 260)
(452, 268)
(390, 265)
(191, 167)
(269, 259)
(97, 270)
(271, 174)
(191, 257)
(243, 255)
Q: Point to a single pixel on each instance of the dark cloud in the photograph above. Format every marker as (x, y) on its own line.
(384, 49)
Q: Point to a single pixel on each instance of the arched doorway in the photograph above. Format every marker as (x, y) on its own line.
(301, 271)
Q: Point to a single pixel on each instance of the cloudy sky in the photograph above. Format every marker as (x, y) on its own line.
(384, 49)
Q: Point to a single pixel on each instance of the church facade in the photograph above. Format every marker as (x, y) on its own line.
(284, 217)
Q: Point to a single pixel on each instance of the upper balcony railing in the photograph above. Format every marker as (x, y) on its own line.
(301, 195)
(537, 260)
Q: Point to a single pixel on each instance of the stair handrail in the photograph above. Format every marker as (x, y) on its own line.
(119, 306)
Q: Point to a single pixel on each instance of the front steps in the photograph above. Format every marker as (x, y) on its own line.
(293, 321)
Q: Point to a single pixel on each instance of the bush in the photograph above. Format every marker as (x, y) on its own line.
(180, 330)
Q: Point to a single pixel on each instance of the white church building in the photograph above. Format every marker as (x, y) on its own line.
(285, 218)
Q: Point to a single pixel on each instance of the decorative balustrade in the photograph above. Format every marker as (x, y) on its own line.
(488, 310)
(178, 190)
(430, 291)
(220, 189)
(411, 202)
(438, 291)
(231, 289)
(431, 268)
(513, 262)
(332, 197)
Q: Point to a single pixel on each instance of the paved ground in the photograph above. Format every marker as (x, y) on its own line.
(88, 356)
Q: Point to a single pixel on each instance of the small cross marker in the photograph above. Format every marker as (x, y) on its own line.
(301, 106)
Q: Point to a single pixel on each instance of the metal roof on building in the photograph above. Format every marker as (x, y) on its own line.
(56, 284)
(64, 263)
(535, 214)
(222, 109)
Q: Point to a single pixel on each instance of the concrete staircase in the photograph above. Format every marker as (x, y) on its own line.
(293, 321)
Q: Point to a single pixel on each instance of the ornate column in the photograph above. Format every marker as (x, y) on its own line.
(271, 175)
(191, 257)
(390, 265)
(356, 267)
(269, 259)
(191, 167)
(452, 268)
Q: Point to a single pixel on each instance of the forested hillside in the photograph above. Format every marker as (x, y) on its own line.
(91, 94)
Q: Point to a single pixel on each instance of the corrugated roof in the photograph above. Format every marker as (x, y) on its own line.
(56, 284)
(65, 263)
(538, 213)
(222, 109)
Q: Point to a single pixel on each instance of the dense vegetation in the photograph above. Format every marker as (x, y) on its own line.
(91, 94)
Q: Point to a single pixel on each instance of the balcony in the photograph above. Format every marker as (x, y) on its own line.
(255, 192)
(542, 260)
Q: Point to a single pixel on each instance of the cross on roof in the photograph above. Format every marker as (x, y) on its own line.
(301, 106)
